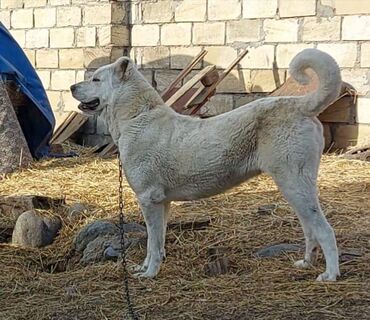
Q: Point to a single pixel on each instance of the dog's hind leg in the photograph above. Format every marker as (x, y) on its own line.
(299, 189)
(156, 221)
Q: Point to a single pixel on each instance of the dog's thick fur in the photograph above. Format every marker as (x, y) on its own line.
(168, 157)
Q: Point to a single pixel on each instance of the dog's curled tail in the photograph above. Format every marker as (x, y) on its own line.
(328, 72)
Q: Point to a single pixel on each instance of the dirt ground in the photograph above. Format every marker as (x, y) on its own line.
(33, 287)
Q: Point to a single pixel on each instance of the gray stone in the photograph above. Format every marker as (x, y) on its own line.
(101, 240)
(76, 210)
(277, 250)
(111, 254)
(33, 230)
(92, 231)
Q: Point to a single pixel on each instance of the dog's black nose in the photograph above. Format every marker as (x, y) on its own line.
(73, 87)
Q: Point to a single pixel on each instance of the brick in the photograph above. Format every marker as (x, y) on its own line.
(217, 10)
(220, 103)
(259, 9)
(182, 56)
(244, 99)
(113, 35)
(164, 77)
(191, 11)
(155, 57)
(45, 17)
(5, 18)
(54, 98)
(359, 79)
(176, 34)
(365, 55)
(37, 38)
(19, 36)
(237, 81)
(259, 58)
(344, 53)
(61, 38)
(97, 57)
(243, 31)
(266, 80)
(286, 52)
(71, 58)
(62, 79)
(297, 8)
(281, 30)
(34, 3)
(160, 11)
(209, 33)
(22, 19)
(69, 103)
(145, 35)
(344, 7)
(44, 76)
(221, 56)
(118, 13)
(47, 58)
(68, 16)
(321, 29)
(363, 110)
(86, 37)
(80, 76)
(356, 28)
(11, 4)
(100, 14)
(30, 55)
(59, 2)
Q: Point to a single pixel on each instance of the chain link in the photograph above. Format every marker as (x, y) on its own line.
(131, 310)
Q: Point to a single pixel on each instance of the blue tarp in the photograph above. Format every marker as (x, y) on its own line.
(36, 119)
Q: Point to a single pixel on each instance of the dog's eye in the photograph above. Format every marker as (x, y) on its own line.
(95, 80)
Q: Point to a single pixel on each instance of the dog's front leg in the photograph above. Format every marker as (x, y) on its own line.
(156, 223)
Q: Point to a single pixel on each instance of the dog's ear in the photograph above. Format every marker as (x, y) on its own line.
(121, 67)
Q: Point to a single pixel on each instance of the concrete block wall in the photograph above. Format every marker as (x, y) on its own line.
(166, 34)
(65, 38)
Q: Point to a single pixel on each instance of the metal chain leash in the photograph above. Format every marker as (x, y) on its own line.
(133, 314)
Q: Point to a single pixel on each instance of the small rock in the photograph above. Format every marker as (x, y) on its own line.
(266, 209)
(33, 230)
(93, 230)
(277, 250)
(111, 254)
(95, 250)
(76, 210)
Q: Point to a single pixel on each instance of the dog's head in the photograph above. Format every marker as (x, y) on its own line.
(97, 92)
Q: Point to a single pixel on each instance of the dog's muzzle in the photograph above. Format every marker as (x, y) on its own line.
(89, 106)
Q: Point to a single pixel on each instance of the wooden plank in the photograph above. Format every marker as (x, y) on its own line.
(63, 125)
(76, 123)
(343, 110)
(166, 94)
(191, 83)
(347, 135)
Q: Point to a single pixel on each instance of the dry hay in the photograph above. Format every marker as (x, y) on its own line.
(31, 288)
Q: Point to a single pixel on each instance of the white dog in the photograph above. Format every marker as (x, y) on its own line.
(170, 157)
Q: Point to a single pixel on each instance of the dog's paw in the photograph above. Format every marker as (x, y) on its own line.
(326, 277)
(302, 264)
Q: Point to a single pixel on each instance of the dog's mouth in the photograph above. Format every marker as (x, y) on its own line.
(89, 106)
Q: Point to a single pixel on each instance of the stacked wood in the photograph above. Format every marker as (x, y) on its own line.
(14, 149)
